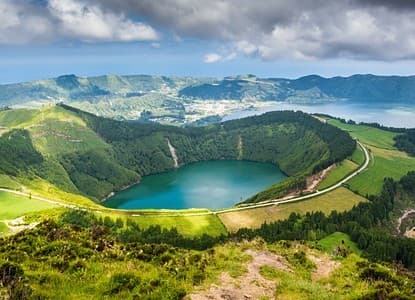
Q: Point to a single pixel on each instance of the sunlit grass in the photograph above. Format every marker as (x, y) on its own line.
(340, 199)
(13, 206)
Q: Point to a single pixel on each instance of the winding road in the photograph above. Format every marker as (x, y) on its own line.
(221, 211)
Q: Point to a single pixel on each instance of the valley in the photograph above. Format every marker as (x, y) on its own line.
(40, 196)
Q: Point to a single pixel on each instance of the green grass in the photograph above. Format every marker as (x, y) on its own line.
(329, 243)
(358, 156)
(386, 160)
(186, 225)
(385, 163)
(342, 169)
(3, 228)
(13, 206)
(17, 117)
(368, 135)
(340, 199)
(8, 182)
(45, 189)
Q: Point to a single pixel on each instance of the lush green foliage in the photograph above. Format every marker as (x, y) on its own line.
(368, 135)
(336, 241)
(295, 183)
(17, 153)
(295, 141)
(341, 170)
(386, 160)
(83, 256)
(361, 223)
(406, 142)
(80, 153)
(340, 199)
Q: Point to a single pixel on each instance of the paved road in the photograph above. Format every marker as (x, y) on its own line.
(226, 210)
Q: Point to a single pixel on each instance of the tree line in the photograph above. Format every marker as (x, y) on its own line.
(298, 143)
(364, 223)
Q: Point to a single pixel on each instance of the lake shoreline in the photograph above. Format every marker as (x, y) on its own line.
(198, 184)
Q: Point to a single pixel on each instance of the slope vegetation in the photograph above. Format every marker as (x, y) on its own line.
(65, 149)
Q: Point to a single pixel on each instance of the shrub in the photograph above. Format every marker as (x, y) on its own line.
(9, 273)
(122, 281)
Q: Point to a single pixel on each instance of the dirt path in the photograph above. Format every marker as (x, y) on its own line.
(250, 285)
(324, 265)
(18, 225)
(313, 181)
(404, 216)
(410, 233)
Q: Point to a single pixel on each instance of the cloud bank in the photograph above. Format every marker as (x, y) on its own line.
(269, 29)
(37, 22)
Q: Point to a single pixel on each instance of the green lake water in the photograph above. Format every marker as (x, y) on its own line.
(210, 184)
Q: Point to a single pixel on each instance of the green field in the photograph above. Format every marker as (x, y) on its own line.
(8, 183)
(368, 135)
(3, 228)
(386, 160)
(13, 206)
(342, 169)
(385, 163)
(358, 156)
(329, 243)
(340, 199)
(186, 225)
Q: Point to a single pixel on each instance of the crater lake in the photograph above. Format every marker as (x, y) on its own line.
(209, 184)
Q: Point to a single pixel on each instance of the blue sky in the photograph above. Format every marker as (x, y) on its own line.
(48, 38)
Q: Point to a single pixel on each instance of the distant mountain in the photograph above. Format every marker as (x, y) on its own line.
(70, 88)
(310, 89)
(184, 100)
(362, 88)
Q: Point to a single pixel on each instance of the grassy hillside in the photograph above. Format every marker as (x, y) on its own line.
(387, 160)
(341, 170)
(332, 241)
(340, 199)
(115, 255)
(13, 206)
(86, 259)
(49, 145)
(73, 152)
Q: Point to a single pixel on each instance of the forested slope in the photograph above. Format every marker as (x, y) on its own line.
(93, 156)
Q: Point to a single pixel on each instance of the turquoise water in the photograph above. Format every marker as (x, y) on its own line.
(211, 184)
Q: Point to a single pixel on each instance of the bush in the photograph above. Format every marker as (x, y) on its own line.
(79, 218)
(122, 281)
(9, 273)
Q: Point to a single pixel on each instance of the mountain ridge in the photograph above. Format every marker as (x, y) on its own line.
(189, 100)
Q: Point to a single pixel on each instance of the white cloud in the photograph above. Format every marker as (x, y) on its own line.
(300, 29)
(270, 29)
(246, 47)
(215, 57)
(231, 56)
(22, 24)
(88, 22)
(212, 58)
